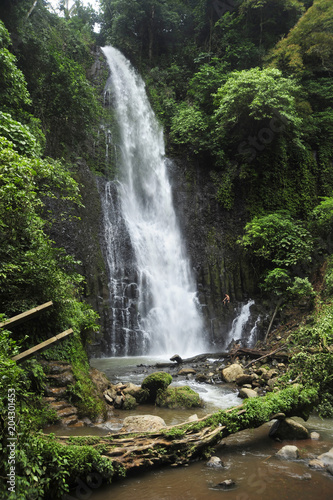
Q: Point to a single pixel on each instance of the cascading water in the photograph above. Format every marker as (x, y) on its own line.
(153, 299)
(239, 323)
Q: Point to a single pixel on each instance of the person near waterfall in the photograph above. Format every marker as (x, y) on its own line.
(226, 299)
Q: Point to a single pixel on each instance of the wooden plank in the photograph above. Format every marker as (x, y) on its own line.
(23, 356)
(15, 320)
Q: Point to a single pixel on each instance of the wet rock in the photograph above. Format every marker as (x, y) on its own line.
(261, 371)
(317, 464)
(129, 402)
(272, 382)
(56, 392)
(201, 377)
(99, 379)
(247, 393)
(55, 367)
(270, 374)
(61, 379)
(176, 358)
(131, 389)
(143, 423)
(193, 418)
(215, 462)
(327, 458)
(288, 452)
(187, 371)
(288, 429)
(231, 373)
(226, 484)
(244, 379)
(118, 401)
(315, 436)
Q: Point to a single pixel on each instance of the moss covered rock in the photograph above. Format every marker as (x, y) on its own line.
(129, 402)
(155, 382)
(178, 397)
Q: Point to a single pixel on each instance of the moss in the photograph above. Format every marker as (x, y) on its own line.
(129, 402)
(141, 396)
(178, 397)
(154, 382)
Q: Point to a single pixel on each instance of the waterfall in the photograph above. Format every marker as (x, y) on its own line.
(239, 324)
(159, 313)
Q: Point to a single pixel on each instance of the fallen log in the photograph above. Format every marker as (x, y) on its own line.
(180, 444)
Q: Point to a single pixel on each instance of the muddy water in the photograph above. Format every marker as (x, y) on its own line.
(248, 457)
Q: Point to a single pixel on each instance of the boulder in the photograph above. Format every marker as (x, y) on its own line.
(201, 377)
(176, 358)
(187, 371)
(244, 379)
(129, 402)
(288, 452)
(154, 382)
(231, 373)
(215, 462)
(272, 382)
(315, 436)
(317, 464)
(327, 458)
(178, 397)
(131, 389)
(143, 423)
(193, 418)
(270, 374)
(247, 393)
(288, 429)
(226, 484)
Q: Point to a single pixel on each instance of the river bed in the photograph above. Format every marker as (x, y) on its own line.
(248, 457)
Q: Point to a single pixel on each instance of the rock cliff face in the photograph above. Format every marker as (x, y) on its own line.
(210, 233)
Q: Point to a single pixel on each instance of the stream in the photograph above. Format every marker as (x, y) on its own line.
(248, 457)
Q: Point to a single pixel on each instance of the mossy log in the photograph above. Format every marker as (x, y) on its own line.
(180, 444)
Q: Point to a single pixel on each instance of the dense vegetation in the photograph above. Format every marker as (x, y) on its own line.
(244, 91)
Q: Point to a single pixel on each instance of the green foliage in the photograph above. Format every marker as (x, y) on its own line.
(301, 289)
(32, 271)
(23, 140)
(251, 97)
(276, 280)
(279, 239)
(189, 127)
(13, 87)
(308, 48)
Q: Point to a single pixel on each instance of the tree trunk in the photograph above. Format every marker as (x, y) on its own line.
(179, 444)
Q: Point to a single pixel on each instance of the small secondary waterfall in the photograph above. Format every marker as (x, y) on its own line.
(239, 323)
(153, 295)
